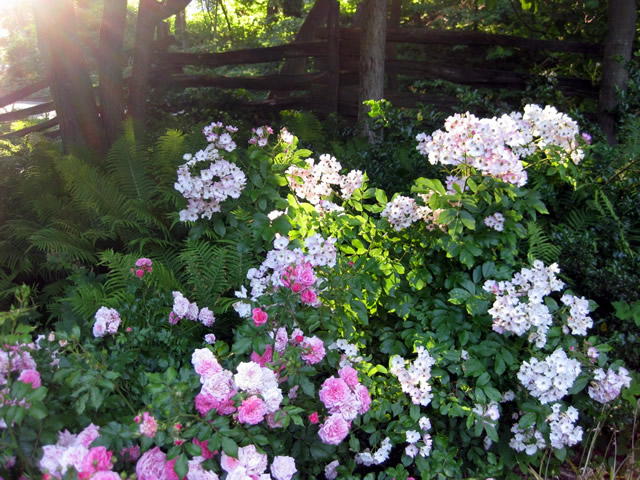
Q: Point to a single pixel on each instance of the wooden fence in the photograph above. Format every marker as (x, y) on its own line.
(332, 85)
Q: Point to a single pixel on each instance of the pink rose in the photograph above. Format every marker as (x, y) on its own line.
(362, 394)
(130, 454)
(252, 410)
(333, 430)
(313, 350)
(204, 447)
(283, 468)
(259, 316)
(105, 475)
(313, 418)
(204, 402)
(148, 427)
(308, 296)
(265, 358)
(98, 458)
(139, 273)
(205, 363)
(334, 392)
(151, 465)
(349, 375)
(30, 376)
(169, 471)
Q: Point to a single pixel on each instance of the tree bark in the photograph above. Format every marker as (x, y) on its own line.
(150, 13)
(372, 50)
(316, 17)
(110, 56)
(180, 27)
(68, 75)
(618, 48)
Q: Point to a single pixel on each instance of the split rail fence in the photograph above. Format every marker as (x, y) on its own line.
(331, 84)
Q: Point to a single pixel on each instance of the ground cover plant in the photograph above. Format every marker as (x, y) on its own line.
(370, 334)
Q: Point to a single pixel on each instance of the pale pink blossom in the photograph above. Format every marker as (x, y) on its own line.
(252, 410)
(313, 350)
(283, 468)
(334, 430)
(30, 376)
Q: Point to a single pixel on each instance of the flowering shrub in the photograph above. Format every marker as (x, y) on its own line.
(375, 338)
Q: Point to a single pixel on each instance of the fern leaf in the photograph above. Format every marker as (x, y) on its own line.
(540, 246)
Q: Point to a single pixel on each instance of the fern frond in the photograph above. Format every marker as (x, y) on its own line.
(305, 126)
(540, 246)
(130, 167)
(167, 156)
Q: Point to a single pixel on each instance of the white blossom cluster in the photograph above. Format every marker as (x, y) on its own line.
(489, 413)
(349, 351)
(551, 127)
(367, 458)
(495, 146)
(415, 379)
(607, 386)
(206, 179)
(578, 320)
(495, 221)
(519, 305)
(314, 183)
(550, 379)
(401, 212)
(268, 277)
(528, 441)
(420, 443)
(563, 431)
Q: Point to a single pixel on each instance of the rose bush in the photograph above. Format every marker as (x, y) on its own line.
(378, 338)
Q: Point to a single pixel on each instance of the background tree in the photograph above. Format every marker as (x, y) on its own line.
(68, 75)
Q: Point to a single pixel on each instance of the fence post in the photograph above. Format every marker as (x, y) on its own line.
(333, 56)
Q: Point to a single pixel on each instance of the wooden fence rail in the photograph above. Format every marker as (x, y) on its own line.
(333, 86)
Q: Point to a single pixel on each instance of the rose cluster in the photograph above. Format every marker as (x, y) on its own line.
(107, 322)
(607, 386)
(260, 136)
(550, 379)
(73, 451)
(414, 380)
(251, 464)
(495, 221)
(282, 265)
(183, 308)
(314, 183)
(419, 443)
(143, 265)
(519, 305)
(206, 179)
(578, 321)
(528, 441)
(495, 146)
(563, 432)
(344, 398)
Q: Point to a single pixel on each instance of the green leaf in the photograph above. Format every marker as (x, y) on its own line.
(38, 411)
(527, 420)
(468, 220)
(229, 446)
(181, 467)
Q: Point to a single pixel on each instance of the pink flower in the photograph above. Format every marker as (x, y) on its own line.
(204, 402)
(334, 392)
(206, 317)
(204, 447)
(252, 410)
(130, 454)
(151, 465)
(362, 394)
(105, 475)
(283, 468)
(265, 358)
(228, 464)
(30, 376)
(98, 458)
(259, 316)
(169, 471)
(139, 273)
(296, 288)
(308, 296)
(349, 375)
(313, 418)
(334, 430)
(107, 322)
(210, 338)
(148, 427)
(173, 318)
(205, 363)
(271, 419)
(313, 350)
(88, 435)
(282, 339)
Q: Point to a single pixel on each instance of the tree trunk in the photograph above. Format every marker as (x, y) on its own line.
(68, 75)
(292, 8)
(372, 50)
(272, 10)
(150, 13)
(114, 17)
(394, 23)
(180, 27)
(618, 48)
(316, 16)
